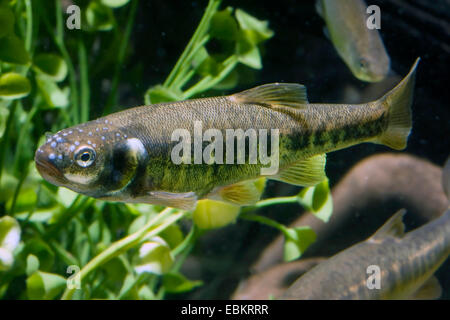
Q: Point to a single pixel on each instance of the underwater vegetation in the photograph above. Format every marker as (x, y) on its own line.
(191, 233)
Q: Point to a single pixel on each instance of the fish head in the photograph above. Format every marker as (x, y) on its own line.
(94, 158)
(370, 67)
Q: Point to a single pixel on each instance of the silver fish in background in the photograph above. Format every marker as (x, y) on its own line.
(361, 48)
(406, 263)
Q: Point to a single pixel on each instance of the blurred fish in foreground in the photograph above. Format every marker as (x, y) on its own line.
(360, 47)
(406, 263)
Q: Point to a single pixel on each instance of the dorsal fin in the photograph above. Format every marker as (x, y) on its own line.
(393, 227)
(274, 94)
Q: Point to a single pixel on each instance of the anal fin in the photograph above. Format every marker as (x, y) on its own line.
(242, 193)
(307, 172)
(430, 290)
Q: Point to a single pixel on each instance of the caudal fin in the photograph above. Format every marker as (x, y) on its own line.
(398, 101)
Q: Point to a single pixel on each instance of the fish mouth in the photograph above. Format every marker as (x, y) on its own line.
(48, 170)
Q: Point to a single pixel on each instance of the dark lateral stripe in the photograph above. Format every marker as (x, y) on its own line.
(362, 131)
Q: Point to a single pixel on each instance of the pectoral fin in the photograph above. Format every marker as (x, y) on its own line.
(308, 172)
(274, 94)
(184, 201)
(430, 290)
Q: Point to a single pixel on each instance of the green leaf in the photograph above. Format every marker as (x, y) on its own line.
(137, 223)
(114, 3)
(14, 86)
(318, 200)
(158, 94)
(115, 270)
(145, 293)
(172, 235)
(66, 196)
(12, 50)
(297, 240)
(128, 284)
(44, 286)
(40, 215)
(32, 264)
(210, 214)
(99, 17)
(199, 57)
(42, 251)
(223, 26)
(248, 53)
(209, 67)
(229, 82)
(154, 257)
(52, 94)
(6, 21)
(177, 283)
(259, 28)
(25, 201)
(51, 65)
(9, 233)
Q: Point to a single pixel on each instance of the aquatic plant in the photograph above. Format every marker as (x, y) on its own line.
(55, 243)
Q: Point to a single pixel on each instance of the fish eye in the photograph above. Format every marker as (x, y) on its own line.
(363, 63)
(85, 156)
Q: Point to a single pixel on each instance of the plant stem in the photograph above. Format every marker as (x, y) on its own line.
(198, 34)
(263, 220)
(77, 205)
(181, 78)
(271, 202)
(159, 223)
(209, 81)
(29, 29)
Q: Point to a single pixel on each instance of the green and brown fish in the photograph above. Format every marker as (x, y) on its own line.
(127, 156)
(361, 48)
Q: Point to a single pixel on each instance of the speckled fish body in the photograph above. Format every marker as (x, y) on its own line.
(361, 48)
(406, 264)
(128, 154)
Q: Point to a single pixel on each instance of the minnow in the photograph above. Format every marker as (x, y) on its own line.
(406, 263)
(126, 156)
(361, 48)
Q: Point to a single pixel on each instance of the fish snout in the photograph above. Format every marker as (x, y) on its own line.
(46, 164)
